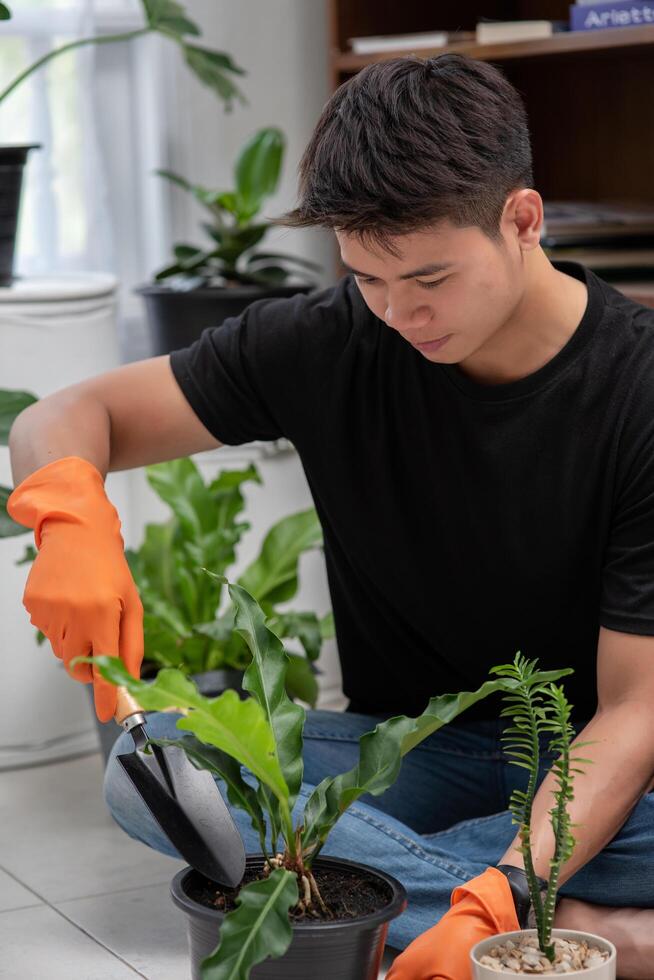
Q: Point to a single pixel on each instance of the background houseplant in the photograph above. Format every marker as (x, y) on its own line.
(164, 17)
(12, 404)
(536, 708)
(264, 734)
(204, 286)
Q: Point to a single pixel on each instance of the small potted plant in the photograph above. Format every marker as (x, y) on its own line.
(534, 708)
(290, 904)
(165, 17)
(204, 286)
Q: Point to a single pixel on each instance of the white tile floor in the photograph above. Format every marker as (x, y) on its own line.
(79, 899)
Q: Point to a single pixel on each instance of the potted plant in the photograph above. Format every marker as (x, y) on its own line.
(165, 17)
(534, 708)
(204, 286)
(287, 906)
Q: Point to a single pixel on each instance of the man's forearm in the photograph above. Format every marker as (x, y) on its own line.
(604, 795)
(60, 425)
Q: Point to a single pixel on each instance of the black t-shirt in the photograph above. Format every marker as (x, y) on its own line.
(462, 522)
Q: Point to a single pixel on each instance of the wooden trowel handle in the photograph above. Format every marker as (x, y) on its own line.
(125, 706)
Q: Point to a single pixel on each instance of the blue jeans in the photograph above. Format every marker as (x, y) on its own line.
(444, 821)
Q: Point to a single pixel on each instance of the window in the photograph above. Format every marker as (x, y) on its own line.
(86, 204)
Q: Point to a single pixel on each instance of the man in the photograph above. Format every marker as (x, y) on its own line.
(477, 428)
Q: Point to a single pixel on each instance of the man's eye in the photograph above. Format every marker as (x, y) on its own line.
(431, 285)
(367, 282)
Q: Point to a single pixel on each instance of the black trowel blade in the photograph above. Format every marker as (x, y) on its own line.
(188, 806)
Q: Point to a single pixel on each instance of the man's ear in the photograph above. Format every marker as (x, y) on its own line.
(522, 218)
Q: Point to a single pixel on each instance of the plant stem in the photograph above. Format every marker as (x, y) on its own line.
(109, 39)
(525, 832)
(560, 820)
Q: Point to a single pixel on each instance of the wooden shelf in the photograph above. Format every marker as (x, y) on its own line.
(572, 42)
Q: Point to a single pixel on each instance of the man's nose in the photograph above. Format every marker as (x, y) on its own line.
(406, 317)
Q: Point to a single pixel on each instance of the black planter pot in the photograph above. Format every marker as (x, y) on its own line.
(176, 319)
(351, 949)
(12, 165)
(211, 683)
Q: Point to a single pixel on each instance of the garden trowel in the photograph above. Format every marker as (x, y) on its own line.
(185, 801)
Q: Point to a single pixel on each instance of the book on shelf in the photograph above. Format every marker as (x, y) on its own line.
(499, 31)
(588, 223)
(586, 16)
(413, 42)
(624, 262)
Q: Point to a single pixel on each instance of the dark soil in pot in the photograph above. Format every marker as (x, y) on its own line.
(177, 318)
(348, 946)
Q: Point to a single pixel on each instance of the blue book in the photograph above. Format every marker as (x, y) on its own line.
(600, 16)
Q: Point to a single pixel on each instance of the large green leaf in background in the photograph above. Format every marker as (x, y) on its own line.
(5, 12)
(257, 170)
(8, 528)
(380, 756)
(12, 404)
(273, 576)
(257, 929)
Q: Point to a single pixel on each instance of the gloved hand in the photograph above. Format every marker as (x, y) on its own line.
(80, 592)
(479, 909)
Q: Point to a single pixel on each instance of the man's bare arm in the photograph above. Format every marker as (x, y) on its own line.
(623, 756)
(132, 416)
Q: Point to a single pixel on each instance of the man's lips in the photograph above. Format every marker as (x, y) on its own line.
(432, 345)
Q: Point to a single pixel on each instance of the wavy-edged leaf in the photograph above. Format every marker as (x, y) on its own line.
(258, 928)
(180, 485)
(239, 728)
(273, 576)
(380, 756)
(265, 679)
(303, 626)
(12, 404)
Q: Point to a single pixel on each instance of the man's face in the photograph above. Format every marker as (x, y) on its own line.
(448, 292)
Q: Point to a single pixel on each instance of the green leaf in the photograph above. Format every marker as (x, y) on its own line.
(258, 169)
(303, 626)
(257, 929)
(239, 728)
(8, 528)
(181, 486)
(327, 626)
(170, 17)
(301, 681)
(29, 555)
(12, 404)
(273, 576)
(5, 12)
(265, 679)
(213, 68)
(380, 756)
(174, 179)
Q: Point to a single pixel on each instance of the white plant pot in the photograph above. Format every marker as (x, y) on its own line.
(606, 970)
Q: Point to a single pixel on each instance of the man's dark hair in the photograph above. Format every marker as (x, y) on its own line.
(410, 142)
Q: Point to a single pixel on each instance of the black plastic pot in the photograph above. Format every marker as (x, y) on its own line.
(176, 319)
(12, 165)
(211, 683)
(351, 949)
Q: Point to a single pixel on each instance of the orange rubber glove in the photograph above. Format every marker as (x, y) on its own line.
(479, 909)
(80, 592)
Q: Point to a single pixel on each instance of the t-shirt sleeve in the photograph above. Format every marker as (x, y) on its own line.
(627, 603)
(250, 378)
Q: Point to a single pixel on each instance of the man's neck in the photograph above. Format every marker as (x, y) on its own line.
(549, 313)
